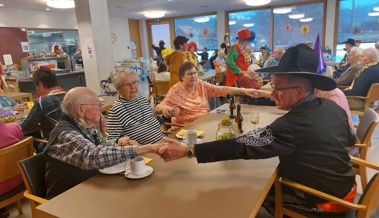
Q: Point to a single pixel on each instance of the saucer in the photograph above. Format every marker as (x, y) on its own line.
(198, 141)
(149, 171)
(119, 168)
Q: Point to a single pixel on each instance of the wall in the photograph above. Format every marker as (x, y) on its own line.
(121, 47)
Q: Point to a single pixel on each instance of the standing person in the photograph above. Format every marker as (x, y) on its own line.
(158, 49)
(191, 53)
(226, 44)
(9, 134)
(311, 150)
(348, 45)
(273, 61)
(238, 59)
(176, 58)
(76, 150)
(213, 57)
(358, 43)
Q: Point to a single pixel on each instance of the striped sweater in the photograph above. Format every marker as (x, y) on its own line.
(135, 119)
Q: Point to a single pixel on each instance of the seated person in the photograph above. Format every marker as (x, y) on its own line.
(354, 67)
(191, 95)
(204, 56)
(9, 133)
(46, 110)
(131, 115)
(364, 78)
(76, 150)
(221, 59)
(153, 68)
(5, 101)
(163, 75)
(251, 79)
(311, 148)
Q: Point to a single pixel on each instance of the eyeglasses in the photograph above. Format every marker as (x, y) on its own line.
(129, 85)
(277, 90)
(191, 73)
(100, 104)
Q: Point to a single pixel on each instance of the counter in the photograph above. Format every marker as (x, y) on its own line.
(65, 80)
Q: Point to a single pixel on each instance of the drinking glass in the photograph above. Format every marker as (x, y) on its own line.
(254, 118)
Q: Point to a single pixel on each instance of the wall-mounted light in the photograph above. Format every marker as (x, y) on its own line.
(257, 2)
(63, 4)
(296, 16)
(201, 19)
(304, 20)
(154, 14)
(373, 14)
(232, 22)
(248, 24)
(282, 10)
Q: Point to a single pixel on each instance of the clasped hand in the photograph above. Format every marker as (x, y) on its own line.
(173, 151)
(125, 141)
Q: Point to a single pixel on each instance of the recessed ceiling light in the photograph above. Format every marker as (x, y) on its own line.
(232, 22)
(63, 4)
(373, 14)
(304, 20)
(47, 9)
(248, 24)
(282, 10)
(257, 2)
(201, 19)
(296, 16)
(154, 14)
(1, 5)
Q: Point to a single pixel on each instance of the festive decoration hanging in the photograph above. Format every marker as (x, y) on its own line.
(304, 29)
(287, 27)
(205, 32)
(356, 30)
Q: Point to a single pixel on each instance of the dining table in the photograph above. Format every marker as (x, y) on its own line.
(19, 95)
(181, 188)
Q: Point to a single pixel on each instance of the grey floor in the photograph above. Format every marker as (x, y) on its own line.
(373, 155)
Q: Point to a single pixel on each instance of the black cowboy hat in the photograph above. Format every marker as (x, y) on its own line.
(350, 41)
(301, 61)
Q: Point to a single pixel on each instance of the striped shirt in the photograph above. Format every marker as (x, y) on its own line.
(135, 119)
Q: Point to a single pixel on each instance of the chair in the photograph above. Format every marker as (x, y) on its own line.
(8, 169)
(365, 129)
(33, 172)
(150, 86)
(161, 88)
(367, 201)
(372, 96)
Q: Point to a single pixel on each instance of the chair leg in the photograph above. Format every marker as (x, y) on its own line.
(19, 207)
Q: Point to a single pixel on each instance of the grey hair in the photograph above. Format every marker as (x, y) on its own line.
(73, 98)
(372, 53)
(357, 51)
(304, 82)
(115, 75)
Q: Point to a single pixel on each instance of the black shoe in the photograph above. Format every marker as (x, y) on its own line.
(4, 212)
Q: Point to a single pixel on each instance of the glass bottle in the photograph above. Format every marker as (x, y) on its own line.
(239, 118)
(232, 106)
(225, 131)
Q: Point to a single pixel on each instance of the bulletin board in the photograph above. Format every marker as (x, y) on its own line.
(11, 39)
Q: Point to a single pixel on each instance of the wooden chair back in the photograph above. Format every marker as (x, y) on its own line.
(365, 129)
(160, 88)
(220, 79)
(372, 96)
(150, 86)
(33, 171)
(8, 169)
(366, 203)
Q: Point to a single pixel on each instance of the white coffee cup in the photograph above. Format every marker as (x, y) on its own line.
(190, 137)
(138, 165)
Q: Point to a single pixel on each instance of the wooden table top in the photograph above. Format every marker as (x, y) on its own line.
(181, 188)
(19, 95)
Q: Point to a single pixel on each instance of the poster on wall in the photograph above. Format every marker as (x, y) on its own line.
(87, 48)
(133, 47)
(25, 46)
(8, 59)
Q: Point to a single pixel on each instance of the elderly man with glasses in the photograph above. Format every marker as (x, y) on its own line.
(76, 149)
(310, 140)
(273, 61)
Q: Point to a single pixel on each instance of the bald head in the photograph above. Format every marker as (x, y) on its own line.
(75, 97)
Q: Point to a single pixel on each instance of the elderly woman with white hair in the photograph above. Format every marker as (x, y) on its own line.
(352, 58)
(131, 115)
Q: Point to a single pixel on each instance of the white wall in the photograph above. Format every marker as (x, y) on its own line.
(121, 48)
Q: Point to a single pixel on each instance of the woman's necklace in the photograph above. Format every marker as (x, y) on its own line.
(139, 106)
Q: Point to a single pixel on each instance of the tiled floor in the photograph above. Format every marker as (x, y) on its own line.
(373, 155)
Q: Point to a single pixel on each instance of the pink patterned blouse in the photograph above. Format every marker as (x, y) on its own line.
(192, 106)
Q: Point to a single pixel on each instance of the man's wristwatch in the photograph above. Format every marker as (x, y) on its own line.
(189, 151)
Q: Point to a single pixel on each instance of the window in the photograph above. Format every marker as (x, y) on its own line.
(300, 24)
(202, 30)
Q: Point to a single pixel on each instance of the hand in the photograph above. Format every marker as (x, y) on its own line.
(102, 125)
(241, 73)
(261, 94)
(125, 141)
(175, 150)
(174, 111)
(19, 107)
(169, 112)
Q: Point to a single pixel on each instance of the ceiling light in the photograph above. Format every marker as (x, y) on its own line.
(373, 14)
(1, 5)
(154, 14)
(201, 19)
(61, 3)
(376, 9)
(257, 2)
(248, 24)
(47, 9)
(304, 20)
(296, 16)
(232, 22)
(282, 10)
